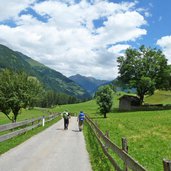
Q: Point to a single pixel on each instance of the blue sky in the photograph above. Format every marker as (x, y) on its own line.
(84, 36)
(159, 21)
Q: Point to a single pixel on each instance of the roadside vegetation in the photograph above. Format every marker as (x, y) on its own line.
(97, 157)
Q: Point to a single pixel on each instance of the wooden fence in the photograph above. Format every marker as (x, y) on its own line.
(23, 126)
(122, 153)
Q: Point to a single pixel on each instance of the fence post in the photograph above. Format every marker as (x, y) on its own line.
(167, 165)
(43, 121)
(125, 149)
(107, 135)
(32, 121)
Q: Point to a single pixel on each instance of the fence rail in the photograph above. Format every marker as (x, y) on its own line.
(106, 142)
(26, 124)
(17, 124)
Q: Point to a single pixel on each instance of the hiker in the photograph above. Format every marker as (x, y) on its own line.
(66, 117)
(80, 120)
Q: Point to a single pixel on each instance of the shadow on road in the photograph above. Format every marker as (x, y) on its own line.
(75, 130)
(61, 129)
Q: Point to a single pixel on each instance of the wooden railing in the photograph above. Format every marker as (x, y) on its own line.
(23, 126)
(122, 153)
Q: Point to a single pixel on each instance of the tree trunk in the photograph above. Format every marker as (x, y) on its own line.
(15, 112)
(15, 118)
(105, 115)
(141, 99)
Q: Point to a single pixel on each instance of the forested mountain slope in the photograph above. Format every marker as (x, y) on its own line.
(50, 78)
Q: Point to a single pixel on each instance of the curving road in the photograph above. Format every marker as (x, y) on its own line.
(54, 149)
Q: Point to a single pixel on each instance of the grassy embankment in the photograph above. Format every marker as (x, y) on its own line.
(25, 114)
(147, 132)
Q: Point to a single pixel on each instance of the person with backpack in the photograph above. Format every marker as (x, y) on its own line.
(80, 120)
(66, 117)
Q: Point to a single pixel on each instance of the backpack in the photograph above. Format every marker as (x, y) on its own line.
(81, 116)
(65, 115)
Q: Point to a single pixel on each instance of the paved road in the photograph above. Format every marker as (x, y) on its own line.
(54, 149)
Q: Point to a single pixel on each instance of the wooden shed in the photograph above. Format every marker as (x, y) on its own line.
(126, 102)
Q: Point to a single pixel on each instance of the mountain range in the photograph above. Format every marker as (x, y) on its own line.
(51, 79)
(89, 83)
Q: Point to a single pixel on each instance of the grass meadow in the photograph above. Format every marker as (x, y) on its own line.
(163, 97)
(148, 135)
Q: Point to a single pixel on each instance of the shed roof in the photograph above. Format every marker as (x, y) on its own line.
(129, 98)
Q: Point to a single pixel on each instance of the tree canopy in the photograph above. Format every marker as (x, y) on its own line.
(145, 69)
(104, 99)
(51, 98)
(17, 90)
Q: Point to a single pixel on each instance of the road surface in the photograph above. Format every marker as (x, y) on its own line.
(54, 149)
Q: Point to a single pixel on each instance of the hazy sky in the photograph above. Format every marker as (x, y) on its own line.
(84, 37)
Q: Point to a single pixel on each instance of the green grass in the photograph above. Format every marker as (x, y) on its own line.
(162, 97)
(87, 107)
(99, 161)
(25, 114)
(148, 135)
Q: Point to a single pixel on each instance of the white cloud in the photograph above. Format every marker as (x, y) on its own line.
(11, 8)
(69, 41)
(165, 44)
(118, 49)
(122, 27)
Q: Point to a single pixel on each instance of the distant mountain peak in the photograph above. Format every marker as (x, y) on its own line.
(89, 83)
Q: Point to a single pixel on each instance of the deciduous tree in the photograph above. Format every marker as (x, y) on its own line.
(17, 90)
(104, 99)
(145, 69)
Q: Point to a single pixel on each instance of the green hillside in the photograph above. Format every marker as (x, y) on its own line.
(159, 97)
(50, 78)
